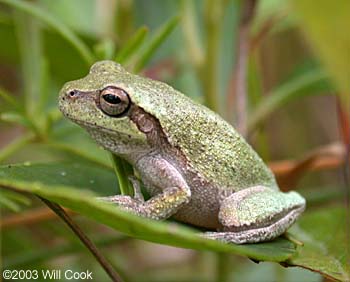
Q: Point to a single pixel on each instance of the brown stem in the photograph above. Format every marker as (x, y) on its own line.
(239, 90)
(265, 29)
(84, 239)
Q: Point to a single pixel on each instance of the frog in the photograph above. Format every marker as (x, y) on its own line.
(196, 168)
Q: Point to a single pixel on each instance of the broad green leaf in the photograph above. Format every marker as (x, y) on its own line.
(326, 26)
(51, 21)
(311, 82)
(75, 186)
(327, 247)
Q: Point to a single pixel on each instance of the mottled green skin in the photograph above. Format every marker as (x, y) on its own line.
(212, 146)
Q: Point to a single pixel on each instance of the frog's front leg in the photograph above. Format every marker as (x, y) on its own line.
(257, 214)
(160, 174)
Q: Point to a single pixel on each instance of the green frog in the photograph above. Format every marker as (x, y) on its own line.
(195, 166)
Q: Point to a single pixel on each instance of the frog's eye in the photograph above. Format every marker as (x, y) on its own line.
(114, 101)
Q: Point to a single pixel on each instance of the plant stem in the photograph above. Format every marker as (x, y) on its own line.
(239, 94)
(132, 45)
(84, 239)
(30, 45)
(223, 267)
(123, 170)
(124, 20)
(283, 94)
(209, 70)
(191, 32)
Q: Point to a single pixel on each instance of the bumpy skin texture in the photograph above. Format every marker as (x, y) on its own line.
(194, 164)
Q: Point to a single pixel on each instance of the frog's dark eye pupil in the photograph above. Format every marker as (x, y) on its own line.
(112, 99)
(72, 93)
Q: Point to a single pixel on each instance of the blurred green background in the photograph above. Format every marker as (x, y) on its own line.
(288, 61)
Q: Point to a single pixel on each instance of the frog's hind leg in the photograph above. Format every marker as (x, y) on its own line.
(257, 214)
(173, 190)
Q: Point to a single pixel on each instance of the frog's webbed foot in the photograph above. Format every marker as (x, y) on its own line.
(162, 205)
(257, 214)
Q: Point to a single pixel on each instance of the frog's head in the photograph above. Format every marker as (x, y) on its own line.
(100, 102)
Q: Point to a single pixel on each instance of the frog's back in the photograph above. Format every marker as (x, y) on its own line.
(214, 148)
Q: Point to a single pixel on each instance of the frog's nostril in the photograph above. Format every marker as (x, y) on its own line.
(72, 93)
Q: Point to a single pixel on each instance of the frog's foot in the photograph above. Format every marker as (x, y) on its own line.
(162, 205)
(158, 207)
(136, 188)
(257, 214)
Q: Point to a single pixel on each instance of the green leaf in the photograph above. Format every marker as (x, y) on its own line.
(9, 99)
(8, 203)
(18, 118)
(311, 82)
(12, 200)
(326, 29)
(14, 117)
(87, 176)
(74, 185)
(158, 38)
(54, 23)
(104, 50)
(327, 246)
(132, 45)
